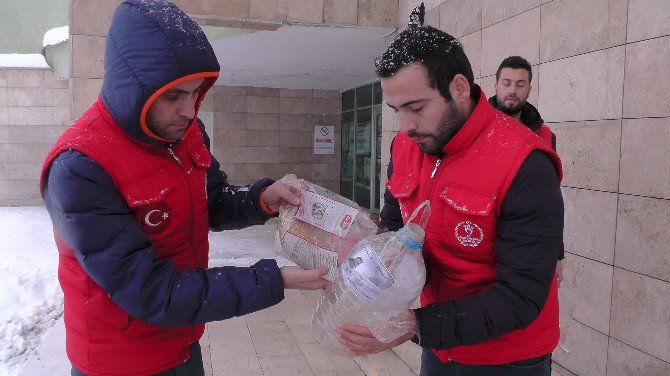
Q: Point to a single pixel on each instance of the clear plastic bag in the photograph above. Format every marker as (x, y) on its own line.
(322, 229)
(375, 287)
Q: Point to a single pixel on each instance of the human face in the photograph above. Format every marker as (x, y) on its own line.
(512, 90)
(424, 115)
(171, 113)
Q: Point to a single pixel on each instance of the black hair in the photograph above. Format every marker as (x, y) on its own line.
(439, 52)
(515, 62)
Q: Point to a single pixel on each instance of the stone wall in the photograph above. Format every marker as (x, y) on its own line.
(268, 132)
(600, 73)
(34, 111)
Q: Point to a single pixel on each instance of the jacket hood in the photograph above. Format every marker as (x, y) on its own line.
(530, 116)
(151, 46)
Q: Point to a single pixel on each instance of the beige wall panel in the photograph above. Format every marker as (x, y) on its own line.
(263, 91)
(229, 103)
(405, 8)
(229, 90)
(330, 107)
(306, 11)
(85, 92)
(228, 9)
(472, 45)
(87, 56)
(191, 6)
(256, 171)
(325, 171)
(57, 97)
(24, 153)
(231, 137)
(377, 13)
(572, 27)
(4, 116)
(263, 105)
(590, 223)
(327, 94)
(432, 18)
(494, 11)
(300, 170)
(648, 19)
(295, 105)
(25, 78)
(293, 122)
(294, 155)
(626, 361)
(590, 306)
(295, 93)
(22, 97)
(588, 350)
(647, 68)
(461, 17)
(498, 42)
(296, 139)
(263, 121)
(268, 9)
(390, 120)
(82, 12)
(584, 87)
(645, 157)
(641, 313)
(37, 116)
(340, 12)
(589, 151)
(643, 239)
(3, 77)
(229, 120)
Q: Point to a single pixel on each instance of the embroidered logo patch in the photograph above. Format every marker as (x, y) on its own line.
(469, 234)
(154, 218)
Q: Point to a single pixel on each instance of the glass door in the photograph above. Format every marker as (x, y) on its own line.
(363, 162)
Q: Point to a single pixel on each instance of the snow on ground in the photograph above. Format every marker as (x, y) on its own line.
(31, 301)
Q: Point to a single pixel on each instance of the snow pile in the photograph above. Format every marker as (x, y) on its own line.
(31, 300)
(55, 36)
(23, 61)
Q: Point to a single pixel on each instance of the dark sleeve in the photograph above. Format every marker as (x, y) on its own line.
(530, 236)
(92, 218)
(390, 216)
(230, 206)
(561, 254)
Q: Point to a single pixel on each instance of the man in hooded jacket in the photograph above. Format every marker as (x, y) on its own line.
(132, 190)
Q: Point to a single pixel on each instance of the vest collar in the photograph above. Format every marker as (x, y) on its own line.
(472, 127)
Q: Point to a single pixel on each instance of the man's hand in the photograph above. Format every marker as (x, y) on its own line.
(298, 278)
(360, 340)
(279, 193)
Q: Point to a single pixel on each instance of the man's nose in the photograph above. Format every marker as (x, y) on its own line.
(407, 124)
(187, 108)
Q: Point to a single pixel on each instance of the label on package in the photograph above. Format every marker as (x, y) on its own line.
(326, 214)
(364, 273)
(309, 256)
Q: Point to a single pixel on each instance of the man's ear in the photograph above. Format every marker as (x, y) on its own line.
(459, 88)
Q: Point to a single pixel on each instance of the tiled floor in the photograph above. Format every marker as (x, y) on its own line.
(278, 342)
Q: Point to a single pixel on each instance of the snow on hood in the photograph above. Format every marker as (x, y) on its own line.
(150, 44)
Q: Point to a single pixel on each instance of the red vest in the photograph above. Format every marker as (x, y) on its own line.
(168, 200)
(466, 193)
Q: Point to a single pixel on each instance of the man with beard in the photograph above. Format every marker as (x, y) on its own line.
(513, 80)
(490, 303)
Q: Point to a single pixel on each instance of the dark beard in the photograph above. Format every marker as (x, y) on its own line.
(511, 111)
(451, 122)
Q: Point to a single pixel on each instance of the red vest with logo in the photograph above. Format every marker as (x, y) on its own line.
(466, 191)
(167, 196)
(545, 134)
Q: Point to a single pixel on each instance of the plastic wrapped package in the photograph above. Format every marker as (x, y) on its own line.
(322, 229)
(376, 285)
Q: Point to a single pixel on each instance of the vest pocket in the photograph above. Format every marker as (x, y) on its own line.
(402, 186)
(149, 190)
(467, 202)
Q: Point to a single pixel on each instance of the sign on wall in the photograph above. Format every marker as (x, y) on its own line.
(324, 139)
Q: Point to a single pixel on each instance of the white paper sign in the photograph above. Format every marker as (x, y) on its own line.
(324, 139)
(326, 214)
(364, 273)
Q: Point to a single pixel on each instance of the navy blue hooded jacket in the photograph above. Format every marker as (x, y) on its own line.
(151, 44)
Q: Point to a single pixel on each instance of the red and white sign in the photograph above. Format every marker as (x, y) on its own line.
(324, 139)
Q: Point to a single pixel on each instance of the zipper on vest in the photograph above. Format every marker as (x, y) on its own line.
(437, 164)
(174, 156)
